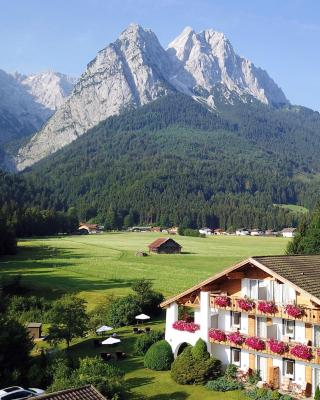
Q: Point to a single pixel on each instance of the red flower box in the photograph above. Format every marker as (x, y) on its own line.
(246, 304)
(301, 351)
(185, 326)
(218, 335)
(255, 343)
(278, 347)
(267, 307)
(236, 338)
(294, 311)
(222, 301)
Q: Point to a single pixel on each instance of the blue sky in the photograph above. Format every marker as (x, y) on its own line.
(280, 36)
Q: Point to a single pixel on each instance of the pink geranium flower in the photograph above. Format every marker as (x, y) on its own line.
(186, 326)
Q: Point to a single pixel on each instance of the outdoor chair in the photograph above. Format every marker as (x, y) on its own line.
(106, 356)
(135, 330)
(120, 355)
(148, 329)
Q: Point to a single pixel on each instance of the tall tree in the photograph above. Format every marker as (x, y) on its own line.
(69, 319)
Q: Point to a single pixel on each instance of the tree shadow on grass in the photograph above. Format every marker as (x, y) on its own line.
(170, 396)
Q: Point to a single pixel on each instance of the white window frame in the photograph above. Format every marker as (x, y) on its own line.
(285, 324)
(232, 324)
(284, 368)
(237, 363)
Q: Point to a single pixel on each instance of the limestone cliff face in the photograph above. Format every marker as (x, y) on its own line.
(135, 70)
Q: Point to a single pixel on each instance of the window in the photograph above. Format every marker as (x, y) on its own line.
(235, 319)
(288, 368)
(289, 328)
(258, 289)
(235, 356)
(262, 327)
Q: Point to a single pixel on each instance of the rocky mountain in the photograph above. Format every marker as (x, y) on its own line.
(135, 70)
(48, 88)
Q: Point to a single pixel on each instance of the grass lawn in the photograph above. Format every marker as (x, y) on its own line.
(96, 265)
(142, 383)
(294, 208)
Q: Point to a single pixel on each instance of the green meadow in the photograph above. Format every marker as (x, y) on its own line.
(96, 265)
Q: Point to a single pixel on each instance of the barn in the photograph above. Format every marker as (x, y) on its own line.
(165, 246)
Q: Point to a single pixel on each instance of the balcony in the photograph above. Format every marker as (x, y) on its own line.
(310, 315)
(291, 350)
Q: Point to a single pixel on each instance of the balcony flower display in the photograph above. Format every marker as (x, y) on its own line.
(278, 347)
(217, 335)
(255, 343)
(301, 351)
(235, 338)
(222, 301)
(294, 311)
(185, 326)
(267, 307)
(246, 304)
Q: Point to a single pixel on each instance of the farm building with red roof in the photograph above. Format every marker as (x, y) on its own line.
(165, 246)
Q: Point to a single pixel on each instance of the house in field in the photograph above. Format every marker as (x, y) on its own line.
(89, 228)
(155, 229)
(257, 232)
(165, 246)
(288, 232)
(260, 314)
(173, 230)
(219, 231)
(140, 229)
(205, 231)
(87, 392)
(242, 232)
(34, 329)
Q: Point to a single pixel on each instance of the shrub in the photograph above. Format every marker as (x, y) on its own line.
(123, 311)
(159, 356)
(195, 366)
(148, 299)
(231, 371)
(223, 384)
(143, 342)
(255, 377)
(266, 394)
(317, 393)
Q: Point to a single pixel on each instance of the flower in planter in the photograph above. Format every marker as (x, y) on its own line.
(222, 301)
(236, 338)
(255, 343)
(246, 304)
(267, 307)
(218, 335)
(278, 347)
(301, 351)
(294, 311)
(186, 326)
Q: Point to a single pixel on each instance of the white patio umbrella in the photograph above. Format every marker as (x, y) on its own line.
(142, 317)
(111, 340)
(104, 328)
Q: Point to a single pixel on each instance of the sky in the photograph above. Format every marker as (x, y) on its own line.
(280, 36)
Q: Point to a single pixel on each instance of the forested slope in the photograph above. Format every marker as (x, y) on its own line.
(176, 162)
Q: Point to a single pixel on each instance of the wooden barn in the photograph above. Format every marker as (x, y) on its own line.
(165, 246)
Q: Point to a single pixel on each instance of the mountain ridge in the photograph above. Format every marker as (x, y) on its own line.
(134, 70)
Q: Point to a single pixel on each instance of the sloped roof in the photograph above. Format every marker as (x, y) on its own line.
(88, 392)
(158, 242)
(301, 272)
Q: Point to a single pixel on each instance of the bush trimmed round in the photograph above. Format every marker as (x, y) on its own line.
(159, 356)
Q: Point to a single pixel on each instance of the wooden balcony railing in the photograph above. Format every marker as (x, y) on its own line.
(310, 315)
(314, 351)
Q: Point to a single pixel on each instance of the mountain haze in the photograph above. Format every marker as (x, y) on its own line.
(135, 70)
